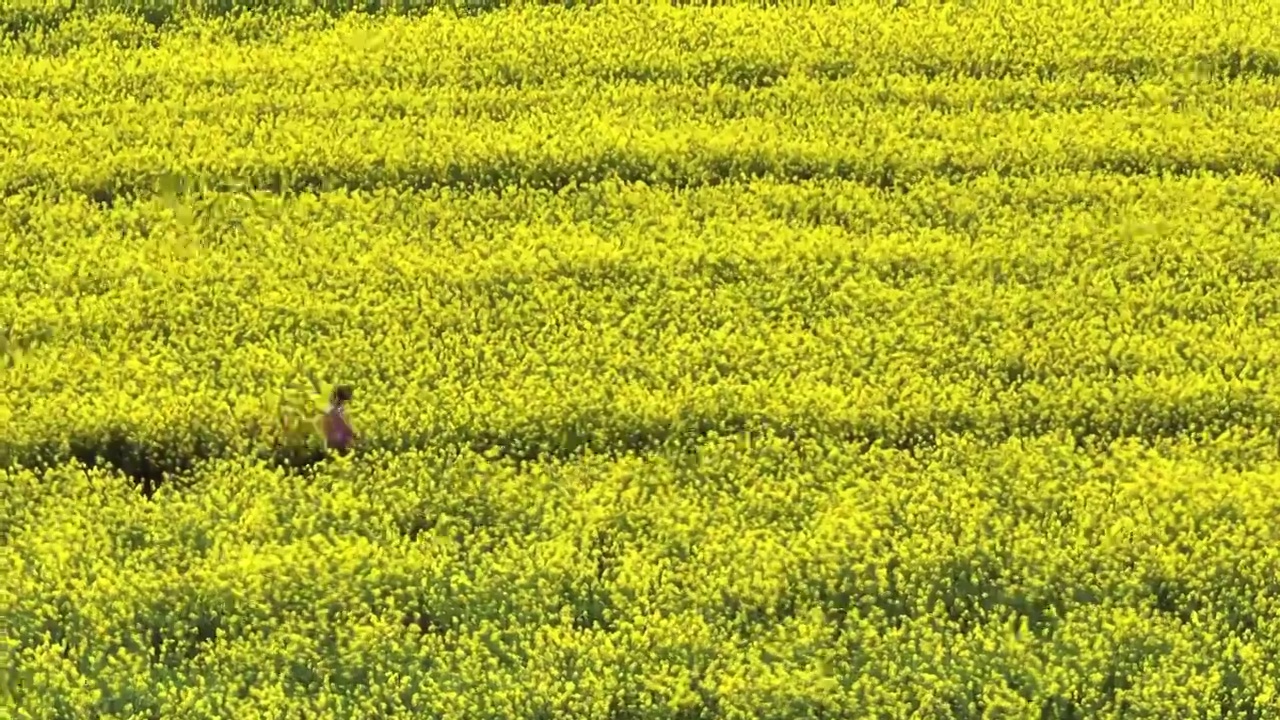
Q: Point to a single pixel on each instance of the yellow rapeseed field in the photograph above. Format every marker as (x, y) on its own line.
(906, 359)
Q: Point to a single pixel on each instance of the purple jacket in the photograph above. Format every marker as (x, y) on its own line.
(337, 431)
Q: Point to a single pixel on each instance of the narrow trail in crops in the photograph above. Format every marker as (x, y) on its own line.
(151, 467)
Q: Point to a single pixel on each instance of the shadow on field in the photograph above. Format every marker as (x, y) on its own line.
(151, 467)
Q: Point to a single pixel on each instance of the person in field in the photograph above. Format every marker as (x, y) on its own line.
(338, 434)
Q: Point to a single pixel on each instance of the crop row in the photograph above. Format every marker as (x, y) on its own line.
(544, 98)
(753, 575)
(428, 101)
(237, 136)
(739, 42)
(622, 316)
(750, 576)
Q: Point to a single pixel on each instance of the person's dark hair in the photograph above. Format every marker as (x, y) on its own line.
(341, 393)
